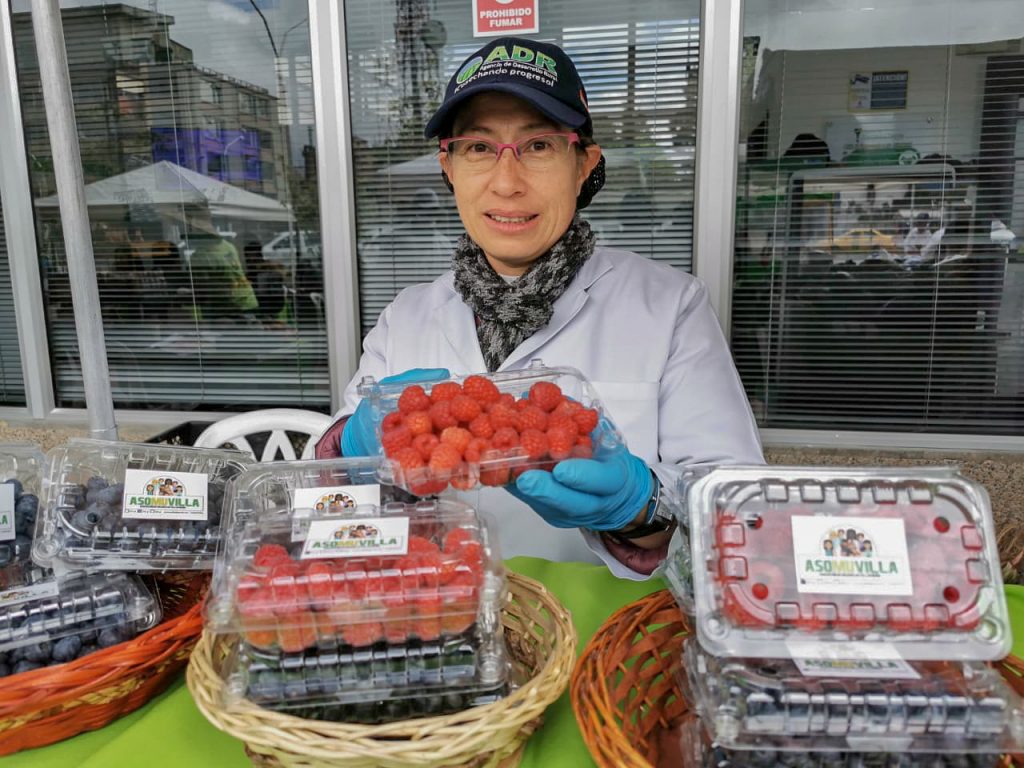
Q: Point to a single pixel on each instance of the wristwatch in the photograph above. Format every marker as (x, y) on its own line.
(659, 516)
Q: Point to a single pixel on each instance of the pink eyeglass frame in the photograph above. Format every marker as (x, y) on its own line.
(574, 138)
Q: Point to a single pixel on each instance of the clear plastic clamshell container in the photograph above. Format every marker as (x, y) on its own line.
(689, 745)
(352, 607)
(133, 506)
(878, 705)
(21, 479)
(52, 624)
(485, 429)
(801, 562)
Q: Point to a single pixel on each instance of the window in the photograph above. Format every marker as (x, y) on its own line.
(878, 265)
(200, 311)
(12, 384)
(639, 64)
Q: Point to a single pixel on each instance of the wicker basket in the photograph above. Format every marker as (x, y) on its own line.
(541, 640)
(54, 703)
(625, 693)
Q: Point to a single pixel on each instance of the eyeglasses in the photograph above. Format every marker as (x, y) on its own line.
(536, 153)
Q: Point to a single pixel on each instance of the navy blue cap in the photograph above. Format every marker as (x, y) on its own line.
(539, 73)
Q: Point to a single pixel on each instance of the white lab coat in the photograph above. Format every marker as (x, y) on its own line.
(645, 336)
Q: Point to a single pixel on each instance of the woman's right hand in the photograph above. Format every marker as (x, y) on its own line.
(356, 435)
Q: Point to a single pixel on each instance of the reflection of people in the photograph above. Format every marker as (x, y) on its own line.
(527, 281)
(222, 289)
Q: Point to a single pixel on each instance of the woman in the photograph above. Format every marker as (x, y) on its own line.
(527, 281)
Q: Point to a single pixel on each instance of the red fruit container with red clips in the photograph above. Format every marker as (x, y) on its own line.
(804, 561)
(486, 429)
(351, 606)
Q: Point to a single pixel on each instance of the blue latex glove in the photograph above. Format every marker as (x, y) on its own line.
(603, 494)
(359, 437)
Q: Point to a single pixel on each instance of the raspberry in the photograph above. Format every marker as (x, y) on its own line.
(419, 422)
(269, 554)
(463, 479)
(284, 586)
(465, 408)
(586, 419)
(545, 395)
(398, 438)
(505, 438)
(444, 459)
(455, 538)
(391, 421)
(362, 634)
(532, 417)
(409, 458)
(564, 421)
(320, 582)
(441, 415)
(457, 437)
(425, 444)
(475, 449)
(413, 398)
(481, 389)
(428, 487)
(481, 426)
(569, 407)
(583, 449)
(261, 638)
(495, 477)
(534, 442)
(419, 545)
(428, 618)
(446, 390)
(502, 415)
(561, 441)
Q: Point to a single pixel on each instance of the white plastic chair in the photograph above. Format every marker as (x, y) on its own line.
(277, 421)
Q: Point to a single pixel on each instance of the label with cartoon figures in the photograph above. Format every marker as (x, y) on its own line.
(851, 555)
(6, 511)
(357, 537)
(154, 494)
(883, 669)
(314, 502)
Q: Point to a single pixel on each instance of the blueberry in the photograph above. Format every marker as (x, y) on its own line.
(4, 670)
(96, 483)
(40, 652)
(111, 495)
(87, 649)
(27, 504)
(66, 648)
(18, 488)
(6, 554)
(108, 637)
(25, 666)
(86, 519)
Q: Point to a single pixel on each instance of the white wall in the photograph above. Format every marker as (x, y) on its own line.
(807, 92)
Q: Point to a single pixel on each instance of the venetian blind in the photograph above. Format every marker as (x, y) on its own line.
(12, 384)
(639, 64)
(879, 284)
(196, 128)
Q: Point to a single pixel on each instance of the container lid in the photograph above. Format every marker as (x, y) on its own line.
(133, 506)
(880, 705)
(22, 467)
(485, 429)
(111, 606)
(806, 562)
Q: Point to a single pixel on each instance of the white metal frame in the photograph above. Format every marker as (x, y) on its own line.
(714, 218)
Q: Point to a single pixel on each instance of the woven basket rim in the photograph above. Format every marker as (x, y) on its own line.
(457, 737)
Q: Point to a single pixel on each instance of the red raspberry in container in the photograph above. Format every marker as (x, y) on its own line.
(444, 390)
(441, 415)
(532, 417)
(561, 441)
(465, 408)
(505, 439)
(413, 398)
(425, 444)
(398, 438)
(481, 426)
(481, 389)
(534, 442)
(546, 395)
(391, 421)
(503, 415)
(418, 423)
(457, 437)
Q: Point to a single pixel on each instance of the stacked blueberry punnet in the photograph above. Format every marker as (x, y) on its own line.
(842, 617)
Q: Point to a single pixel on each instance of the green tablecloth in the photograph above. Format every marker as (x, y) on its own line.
(169, 732)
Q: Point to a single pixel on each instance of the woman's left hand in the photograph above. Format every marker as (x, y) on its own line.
(603, 494)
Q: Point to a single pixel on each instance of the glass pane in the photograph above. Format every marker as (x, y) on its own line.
(639, 64)
(197, 134)
(878, 279)
(12, 384)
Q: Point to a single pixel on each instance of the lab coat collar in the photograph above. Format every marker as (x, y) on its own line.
(459, 325)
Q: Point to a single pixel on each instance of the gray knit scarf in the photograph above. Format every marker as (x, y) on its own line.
(509, 313)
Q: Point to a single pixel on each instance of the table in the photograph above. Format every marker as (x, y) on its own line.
(169, 732)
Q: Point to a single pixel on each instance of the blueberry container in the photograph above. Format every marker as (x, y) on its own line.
(116, 506)
(690, 745)
(57, 624)
(343, 599)
(878, 705)
(22, 467)
(849, 563)
(485, 429)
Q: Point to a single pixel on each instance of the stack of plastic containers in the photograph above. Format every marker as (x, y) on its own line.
(77, 528)
(843, 617)
(343, 603)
